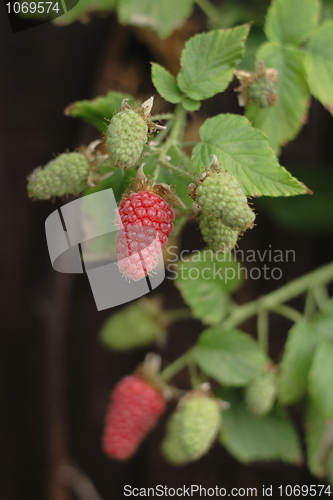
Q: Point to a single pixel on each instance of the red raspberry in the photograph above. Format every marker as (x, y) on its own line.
(146, 222)
(134, 410)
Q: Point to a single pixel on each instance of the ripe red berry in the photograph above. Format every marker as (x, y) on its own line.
(146, 222)
(134, 410)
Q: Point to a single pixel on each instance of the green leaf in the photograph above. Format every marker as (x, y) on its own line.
(325, 322)
(190, 104)
(296, 362)
(319, 65)
(208, 60)
(85, 9)
(300, 347)
(162, 16)
(321, 377)
(244, 152)
(134, 326)
(165, 84)
(250, 438)
(291, 21)
(305, 213)
(318, 438)
(229, 356)
(99, 109)
(282, 122)
(204, 280)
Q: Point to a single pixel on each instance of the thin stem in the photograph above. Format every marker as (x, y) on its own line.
(176, 134)
(321, 296)
(162, 116)
(176, 366)
(310, 305)
(209, 9)
(271, 302)
(311, 280)
(263, 329)
(178, 314)
(178, 170)
(80, 483)
(288, 312)
(194, 376)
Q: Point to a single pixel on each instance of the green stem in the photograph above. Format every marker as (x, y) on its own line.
(178, 314)
(321, 296)
(263, 329)
(175, 136)
(310, 305)
(209, 9)
(194, 376)
(162, 116)
(178, 170)
(288, 312)
(175, 367)
(269, 302)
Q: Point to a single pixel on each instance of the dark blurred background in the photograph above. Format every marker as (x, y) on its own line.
(55, 376)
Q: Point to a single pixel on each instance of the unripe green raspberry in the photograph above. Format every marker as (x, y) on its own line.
(137, 325)
(221, 196)
(66, 174)
(260, 394)
(199, 425)
(125, 137)
(258, 88)
(218, 236)
(171, 446)
(263, 92)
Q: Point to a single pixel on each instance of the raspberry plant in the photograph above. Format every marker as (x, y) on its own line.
(159, 185)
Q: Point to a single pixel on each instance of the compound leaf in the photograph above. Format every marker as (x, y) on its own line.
(321, 377)
(244, 152)
(204, 280)
(250, 438)
(165, 84)
(162, 16)
(229, 356)
(291, 21)
(319, 65)
(318, 438)
(296, 362)
(208, 60)
(100, 109)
